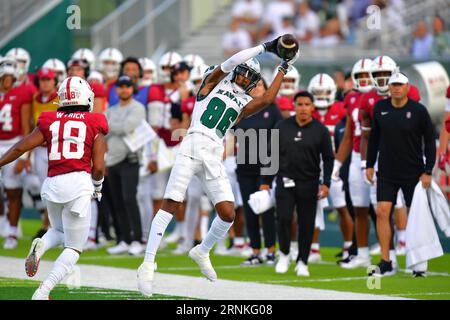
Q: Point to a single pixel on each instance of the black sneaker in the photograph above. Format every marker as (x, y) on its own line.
(270, 259)
(253, 260)
(346, 260)
(383, 268)
(419, 274)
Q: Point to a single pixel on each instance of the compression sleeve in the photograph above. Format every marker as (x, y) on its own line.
(240, 57)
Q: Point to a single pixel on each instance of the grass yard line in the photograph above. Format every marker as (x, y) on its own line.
(187, 286)
(419, 294)
(303, 280)
(429, 273)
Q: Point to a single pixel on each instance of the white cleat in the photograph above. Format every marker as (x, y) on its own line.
(34, 256)
(90, 245)
(10, 243)
(172, 238)
(136, 248)
(282, 265)
(357, 262)
(375, 249)
(181, 249)
(301, 269)
(314, 257)
(145, 275)
(203, 261)
(121, 248)
(38, 295)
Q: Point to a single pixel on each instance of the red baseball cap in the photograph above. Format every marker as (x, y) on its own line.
(46, 73)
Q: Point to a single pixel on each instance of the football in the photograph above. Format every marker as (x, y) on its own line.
(287, 46)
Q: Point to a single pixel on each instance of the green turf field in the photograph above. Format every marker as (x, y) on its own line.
(323, 276)
(18, 289)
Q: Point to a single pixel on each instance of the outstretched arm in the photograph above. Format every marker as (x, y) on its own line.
(227, 66)
(31, 141)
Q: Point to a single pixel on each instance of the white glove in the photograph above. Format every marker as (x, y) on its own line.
(363, 170)
(336, 167)
(98, 189)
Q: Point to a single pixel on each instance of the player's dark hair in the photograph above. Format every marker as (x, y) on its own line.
(131, 60)
(73, 109)
(303, 94)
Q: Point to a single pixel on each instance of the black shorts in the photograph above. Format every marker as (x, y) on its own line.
(388, 190)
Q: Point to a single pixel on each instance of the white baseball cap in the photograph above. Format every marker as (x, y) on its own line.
(398, 77)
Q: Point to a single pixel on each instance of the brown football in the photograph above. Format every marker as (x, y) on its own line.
(287, 46)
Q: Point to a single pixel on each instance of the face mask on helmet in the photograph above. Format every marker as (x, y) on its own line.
(249, 78)
(323, 98)
(288, 87)
(110, 69)
(381, 79)
(363, 82)
(23, 59)
(8, 67)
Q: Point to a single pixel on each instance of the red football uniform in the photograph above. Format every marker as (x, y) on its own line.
(70, 139)
(187, 105)
(370, 99)
(158, 97)
(333, 116)
(284, 104)
(99, 92)
(352, 104)
(10, 111)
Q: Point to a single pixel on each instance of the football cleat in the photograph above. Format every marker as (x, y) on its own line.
(145, 276)
(34, 256)
(384, 268)
(10, 243)
(203, 261)
(357, 262)
(314, 256)
(301, 269)
(282, 265)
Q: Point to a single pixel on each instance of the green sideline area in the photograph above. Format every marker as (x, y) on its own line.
(323, 276)
(18, 289)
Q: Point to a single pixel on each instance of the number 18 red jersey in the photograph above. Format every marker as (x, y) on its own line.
(70, 139)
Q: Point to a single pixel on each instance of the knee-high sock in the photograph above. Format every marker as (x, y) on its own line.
(218, 230)
(62, 267)
(159, 226)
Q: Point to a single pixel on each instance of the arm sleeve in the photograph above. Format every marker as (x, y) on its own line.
(429, 141)
(327, 157)
(374, 141)
(240, 57)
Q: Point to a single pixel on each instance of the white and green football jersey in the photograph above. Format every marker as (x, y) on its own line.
(217, 112)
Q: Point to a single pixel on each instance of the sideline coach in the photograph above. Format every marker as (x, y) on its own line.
(304, 142)
(402, 134)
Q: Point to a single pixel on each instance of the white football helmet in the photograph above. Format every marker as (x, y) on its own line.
(57, 66)
(109, 62)
(196, 77)
(169, 59)
(75, 91)
(85, 54)
(362, 84)
(382, 69)
(23, 59)
(8, 66)
(323, 89)
(148, 66)
(95, 76)
(251, 70)
(291, 82)
(193, 60)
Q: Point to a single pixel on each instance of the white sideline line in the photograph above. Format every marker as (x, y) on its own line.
(187, 286)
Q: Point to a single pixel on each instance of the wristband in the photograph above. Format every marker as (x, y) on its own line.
(98, 183)
(363, 164)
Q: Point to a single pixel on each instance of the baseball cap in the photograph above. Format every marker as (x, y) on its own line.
(180, 66)
(124, 80)
(398, 77)
(46, 73)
